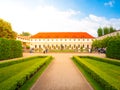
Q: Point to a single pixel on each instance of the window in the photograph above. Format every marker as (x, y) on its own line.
(87, 46)
(83, 45)
(39, 46)
(35, 46)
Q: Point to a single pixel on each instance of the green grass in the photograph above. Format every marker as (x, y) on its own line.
(32, 80)
(15, 74)
(92, 82)
(111, 70)
(105, 74)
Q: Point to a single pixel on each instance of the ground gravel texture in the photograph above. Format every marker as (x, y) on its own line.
(62, 74)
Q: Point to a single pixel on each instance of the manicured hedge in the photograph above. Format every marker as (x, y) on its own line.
(113, 49)
(115, 62)
(15, 82)
(10, 49)
(105, 81)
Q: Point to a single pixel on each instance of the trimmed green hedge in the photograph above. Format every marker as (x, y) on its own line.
(15, 82)
(113, 49)
(10, 49)
(105, 81)
(115, 62)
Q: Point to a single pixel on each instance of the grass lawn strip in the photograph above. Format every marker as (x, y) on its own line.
(107, 60)
(110, 69)
(11, 62)
(18, 80)
(10, 71)
(99, 75)
(92, 82)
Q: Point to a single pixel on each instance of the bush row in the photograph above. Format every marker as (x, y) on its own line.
(115, 62)
(14, 83)
(96, 74)
(10, 49)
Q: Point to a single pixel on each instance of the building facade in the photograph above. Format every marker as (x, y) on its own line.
(61, 40)
(58, 40)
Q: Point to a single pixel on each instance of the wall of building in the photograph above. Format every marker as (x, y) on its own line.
(58, 42)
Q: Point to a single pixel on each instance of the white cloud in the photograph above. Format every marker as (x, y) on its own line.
(110, 3)
(50, 19)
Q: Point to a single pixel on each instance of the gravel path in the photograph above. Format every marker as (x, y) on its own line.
(61, 74)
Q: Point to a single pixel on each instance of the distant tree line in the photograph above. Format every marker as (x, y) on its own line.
(25, 34)
(105, 30)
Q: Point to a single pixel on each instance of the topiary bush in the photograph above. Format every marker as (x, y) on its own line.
(10, 49)
(113, 49)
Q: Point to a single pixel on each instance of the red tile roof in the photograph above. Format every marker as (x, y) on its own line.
(62, 35)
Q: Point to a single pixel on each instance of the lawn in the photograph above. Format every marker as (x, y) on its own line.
(111, 70)
(18, 72)
(107, 75)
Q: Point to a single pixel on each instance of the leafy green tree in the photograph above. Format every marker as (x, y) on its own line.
(6, 30)
(99, 31)
(106, 30)
(25, 34)
(112, 29)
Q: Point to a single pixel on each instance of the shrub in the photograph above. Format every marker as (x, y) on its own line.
(10, 49)
(113, 49)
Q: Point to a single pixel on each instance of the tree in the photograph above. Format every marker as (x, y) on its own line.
(100, 31)
(112, 29)
(6, 30)
(25, 34)
(106, 30)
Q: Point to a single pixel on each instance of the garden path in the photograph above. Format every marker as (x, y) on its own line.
(61, 74)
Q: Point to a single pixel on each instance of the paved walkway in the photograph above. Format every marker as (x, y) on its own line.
(62, 74)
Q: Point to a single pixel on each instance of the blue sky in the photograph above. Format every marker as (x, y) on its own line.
(60, 15)
(104, 8)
